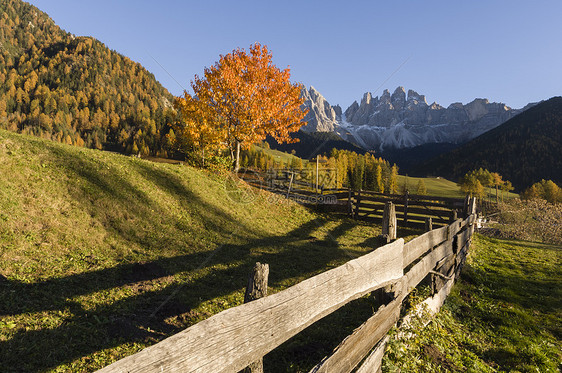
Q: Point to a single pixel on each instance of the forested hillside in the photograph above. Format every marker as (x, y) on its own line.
(524, 150)
(74, 89)
(311, 144)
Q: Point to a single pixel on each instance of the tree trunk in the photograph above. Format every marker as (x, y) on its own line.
(237, 160)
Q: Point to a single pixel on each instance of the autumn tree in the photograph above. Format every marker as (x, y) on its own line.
(393, 180)
(420, 188)
(470, 184)
(378, 179)
(544, 189)
(506, 187)
(250, 98)
(197, 132)
(497, 182)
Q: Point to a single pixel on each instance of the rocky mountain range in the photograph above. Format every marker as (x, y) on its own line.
(400, 120)
(321, 117)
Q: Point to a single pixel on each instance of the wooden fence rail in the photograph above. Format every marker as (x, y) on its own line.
(239, 336)
(412, 210)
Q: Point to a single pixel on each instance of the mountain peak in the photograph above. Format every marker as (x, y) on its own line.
(398, 98)
(415, 97)
(401, 120)
(321, 117)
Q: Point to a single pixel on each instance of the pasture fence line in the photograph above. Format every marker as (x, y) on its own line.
(412, 210)
(240, 336)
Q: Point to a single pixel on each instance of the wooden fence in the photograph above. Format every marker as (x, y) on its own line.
(242, 335)
(411, 210)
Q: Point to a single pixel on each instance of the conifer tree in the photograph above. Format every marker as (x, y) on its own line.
(420, 188)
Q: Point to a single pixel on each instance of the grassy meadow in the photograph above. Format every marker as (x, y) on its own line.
(438, 186)
(104, 254)
(503, 315)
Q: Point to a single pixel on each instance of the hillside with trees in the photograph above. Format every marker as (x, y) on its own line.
(525, 149)
(75, 90)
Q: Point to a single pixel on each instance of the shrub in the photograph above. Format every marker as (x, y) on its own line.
(532, 220)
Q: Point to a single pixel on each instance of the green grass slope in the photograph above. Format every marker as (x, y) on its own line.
(439, 186)
(504, 315)
(103, 254)
(435, 186)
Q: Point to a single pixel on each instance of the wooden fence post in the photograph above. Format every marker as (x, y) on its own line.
(290, 184)
(350, 202)
(257, 288)
(389, 222)
(465, 209)
(406, 195)
(472, 206)
(357, 204)
(428, 224)
(453, 216)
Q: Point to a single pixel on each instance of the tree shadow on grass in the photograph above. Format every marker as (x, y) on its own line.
(154, 290)
(124, 208)
(131, 319)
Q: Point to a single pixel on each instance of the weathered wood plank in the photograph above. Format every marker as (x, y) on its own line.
(434, 303)
(373, 362)
(357, 345)
(463, 237)
(367, 199)
(412, 209)
(389, 224)
(421, 269)
(256, 289)
(446, 269)
(363, 212)
(454, 228)
(421, 244)
(411, 223)
(465, 222)
(232, 339)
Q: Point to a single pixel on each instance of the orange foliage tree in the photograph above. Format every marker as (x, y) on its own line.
(243, 98)
(199, 131)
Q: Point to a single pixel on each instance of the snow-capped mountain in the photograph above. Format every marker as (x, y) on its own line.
(403, 121)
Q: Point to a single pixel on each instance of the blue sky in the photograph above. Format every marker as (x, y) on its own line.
(506, 51)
